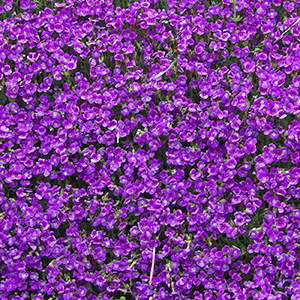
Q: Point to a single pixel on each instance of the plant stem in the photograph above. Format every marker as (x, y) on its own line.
(152, 266)
(234, 12)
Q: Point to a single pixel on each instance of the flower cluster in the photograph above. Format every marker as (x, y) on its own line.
(149, 150)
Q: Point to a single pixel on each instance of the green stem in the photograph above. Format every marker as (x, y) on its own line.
(163, 72)
(152, 266)
(234, 12)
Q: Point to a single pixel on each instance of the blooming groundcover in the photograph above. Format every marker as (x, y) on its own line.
(149, 149)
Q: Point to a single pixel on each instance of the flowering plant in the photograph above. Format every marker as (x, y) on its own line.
(149, 149)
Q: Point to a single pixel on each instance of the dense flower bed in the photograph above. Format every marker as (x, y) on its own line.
(149, 150)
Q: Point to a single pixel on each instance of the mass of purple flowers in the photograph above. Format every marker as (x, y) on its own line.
(150, 149)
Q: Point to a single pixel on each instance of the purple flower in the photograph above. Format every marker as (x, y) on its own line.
(235, 253)
(250, 146)
(225, 53)
(234, 38)
(274, 134)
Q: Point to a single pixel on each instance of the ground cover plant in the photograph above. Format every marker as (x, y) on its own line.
(149, 149)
